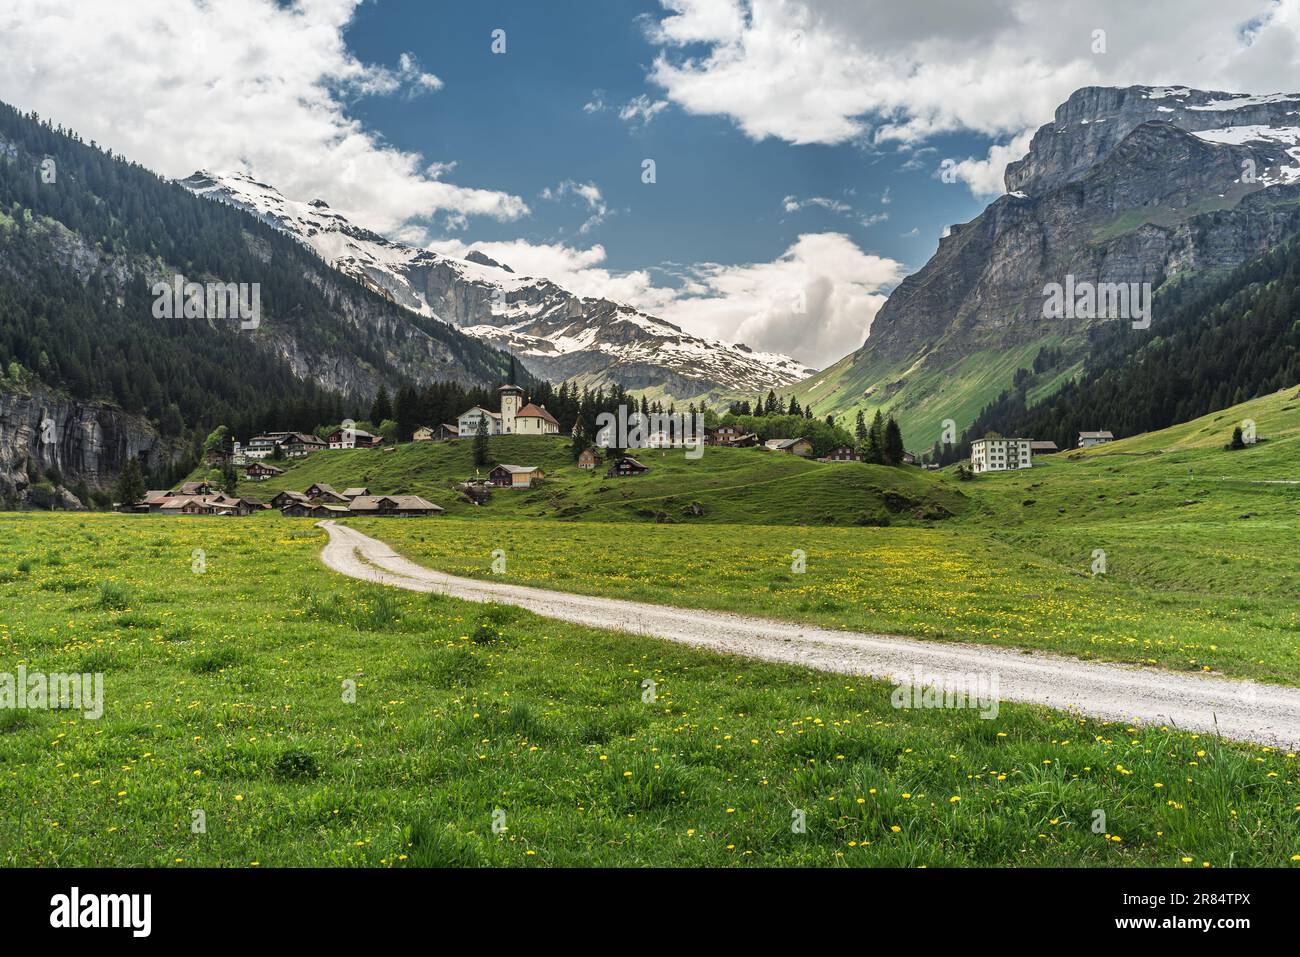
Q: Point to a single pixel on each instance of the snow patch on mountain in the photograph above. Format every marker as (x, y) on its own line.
(557, 334)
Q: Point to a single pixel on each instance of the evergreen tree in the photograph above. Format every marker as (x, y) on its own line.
(481, 447)
(406, 413)
(382, 407)
(893, 443)
(860, 427)
(130, 484)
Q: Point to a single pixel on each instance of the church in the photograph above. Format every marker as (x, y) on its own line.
(515, 418)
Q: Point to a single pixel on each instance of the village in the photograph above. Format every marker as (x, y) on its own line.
(254, 461)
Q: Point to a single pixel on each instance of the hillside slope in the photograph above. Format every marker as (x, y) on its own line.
(113, 229)
(752, 486)
(1172, 508)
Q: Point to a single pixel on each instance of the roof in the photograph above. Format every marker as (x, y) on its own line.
(1042, 444)
(296, 496)
(510, 388)
(263, 465)
(370, 503)
(354, 492)
(531, 411)
(1095, 435)
(630, 461)
(180, 501)
(783, 443)
(479, 408)
(517, 469)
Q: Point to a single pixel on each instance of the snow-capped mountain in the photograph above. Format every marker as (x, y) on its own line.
(556, 334)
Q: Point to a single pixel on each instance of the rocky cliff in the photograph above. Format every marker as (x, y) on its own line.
(1136, 185)
(44, 433)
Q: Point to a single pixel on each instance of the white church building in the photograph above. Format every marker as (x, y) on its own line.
(515, 418)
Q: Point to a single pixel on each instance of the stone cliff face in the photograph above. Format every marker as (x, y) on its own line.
(1125, 186)
(43, 431)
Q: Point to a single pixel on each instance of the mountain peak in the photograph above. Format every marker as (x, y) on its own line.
(556, 333)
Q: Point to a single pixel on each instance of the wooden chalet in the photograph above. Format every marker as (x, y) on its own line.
(799, 446)
(393, 505)
(626, 467)
(588, 459)
(260, 472)
(324, 494)
(514, 476)
(841, 453)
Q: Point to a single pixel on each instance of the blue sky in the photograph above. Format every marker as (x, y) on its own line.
(516, 122)
(796, 142)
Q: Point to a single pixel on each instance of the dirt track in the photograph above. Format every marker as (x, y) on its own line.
(1237, 709)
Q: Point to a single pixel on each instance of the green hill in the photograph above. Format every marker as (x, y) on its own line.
(1170, 508)
(751, 486)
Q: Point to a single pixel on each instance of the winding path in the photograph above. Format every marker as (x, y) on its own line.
(1241, 710)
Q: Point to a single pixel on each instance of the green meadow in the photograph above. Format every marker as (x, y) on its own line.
(315, 720)
(227, 678)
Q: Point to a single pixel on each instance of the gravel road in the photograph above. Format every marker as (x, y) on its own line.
(1236, 709)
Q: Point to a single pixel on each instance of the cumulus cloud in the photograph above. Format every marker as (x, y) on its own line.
(816, 301)
(984, 176)
(580, 271)
(242, 84)
(833, 71)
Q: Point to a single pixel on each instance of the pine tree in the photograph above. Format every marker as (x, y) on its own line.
(130, 484)
(481, 447)
(860, 427)
(382, 408)
(893, 443)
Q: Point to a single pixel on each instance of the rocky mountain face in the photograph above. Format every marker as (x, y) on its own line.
(1136, 185)
(43, 432)
(555, 333)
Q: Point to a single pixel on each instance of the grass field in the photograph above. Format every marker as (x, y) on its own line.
(225, 669)
(1201, 568)
(224, 694)
(733, 485)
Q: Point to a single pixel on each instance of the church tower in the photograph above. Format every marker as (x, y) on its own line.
(512, 399)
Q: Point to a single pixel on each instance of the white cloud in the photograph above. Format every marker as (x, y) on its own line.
(792, 204)
(590, 195)
(815, 302)
(641, 108)
(831, 71)
(984, 177)
(596, 104)
(580, 271)
(240, 84)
